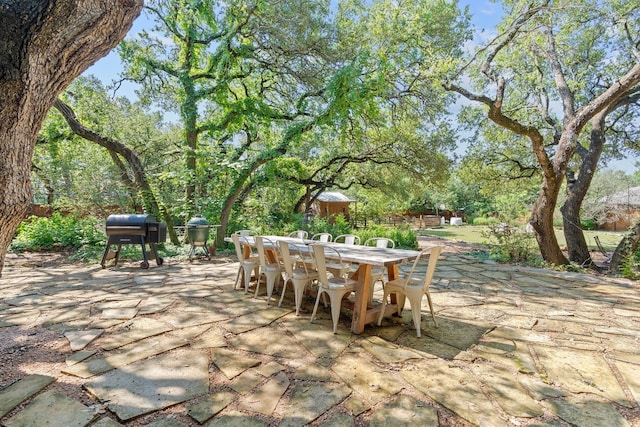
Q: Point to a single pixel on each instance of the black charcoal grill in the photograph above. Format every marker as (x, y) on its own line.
(131, 230)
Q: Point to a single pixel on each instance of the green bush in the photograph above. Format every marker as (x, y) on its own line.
(511, 244)
(57, 233)
(588, 224)
(486, 221)
(403, 236)
(321, 225)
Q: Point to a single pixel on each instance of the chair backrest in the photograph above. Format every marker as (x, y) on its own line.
(321, 262)
(322, 237)
(287, 259)
(407, 278)
(260, 246)
(244, 232)
(236, 242)
(434, 254)
(300, 234)
(380, 242)
(289, 252)
(348, 239)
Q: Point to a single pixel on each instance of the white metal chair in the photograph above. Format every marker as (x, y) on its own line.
(414, 289)
(270, 269)
(299, 234)
(322, 237)
(298, 273)
(247, 265)
(340, 270)
(380, 242)
(378, 273)
(347, 239)
(244, 233)
(335, 287)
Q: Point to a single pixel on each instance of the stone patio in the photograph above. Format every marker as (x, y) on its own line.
(176, 345)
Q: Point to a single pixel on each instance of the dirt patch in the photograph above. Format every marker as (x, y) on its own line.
(450, 246)
(39, 259)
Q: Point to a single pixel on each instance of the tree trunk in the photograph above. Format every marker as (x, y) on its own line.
(139, 184)
(44, 45)
(230, 200)
(577, 189)
(542, 222)
(626, 248)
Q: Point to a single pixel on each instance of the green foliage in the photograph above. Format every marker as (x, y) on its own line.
(403, 236)
(57, 232)
(484, 220)
(630, 267)
(322, 225)
(588, 224)
(511, 244)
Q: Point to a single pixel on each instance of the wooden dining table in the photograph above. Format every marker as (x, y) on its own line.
(366, 257)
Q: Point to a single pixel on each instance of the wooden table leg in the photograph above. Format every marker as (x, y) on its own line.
(362, 296)
(392, 273)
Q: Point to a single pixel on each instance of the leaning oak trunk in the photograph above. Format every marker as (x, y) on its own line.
(577, 188)
(139, 183)
(44, 45)
(626, 248)
(542, 222)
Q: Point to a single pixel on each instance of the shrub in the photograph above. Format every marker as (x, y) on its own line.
(511, 244)
(588, 224)
(485, 221)
(56, 233)
(403, 235)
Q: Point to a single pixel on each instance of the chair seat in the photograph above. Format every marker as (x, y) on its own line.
(400, 283)
(341, 284)
(300, 273)
(338, 269)
(277, 267)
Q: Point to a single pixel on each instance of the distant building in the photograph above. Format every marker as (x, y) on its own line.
(332, 203)
(622, 209)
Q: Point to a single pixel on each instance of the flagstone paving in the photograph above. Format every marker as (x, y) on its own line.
(177, 345)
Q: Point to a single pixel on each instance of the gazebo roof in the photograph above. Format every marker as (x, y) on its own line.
(333, 196)
(629, 197)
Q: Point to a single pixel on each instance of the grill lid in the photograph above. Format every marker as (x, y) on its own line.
(198, 222)
(129, 220)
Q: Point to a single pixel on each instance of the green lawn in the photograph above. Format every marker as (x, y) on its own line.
(473, 234)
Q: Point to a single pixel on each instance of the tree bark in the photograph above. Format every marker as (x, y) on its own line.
(44, 45)
(626, 248)
(577, 189)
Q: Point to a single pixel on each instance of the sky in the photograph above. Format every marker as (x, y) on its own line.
(485, 15)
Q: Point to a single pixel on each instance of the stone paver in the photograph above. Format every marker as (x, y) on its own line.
(405, 411)
(176, 345)
(309, 401)
(265, 399)
(206, 409)
(153, 384)
(16, 393)
(80, 339)
(52, 408)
